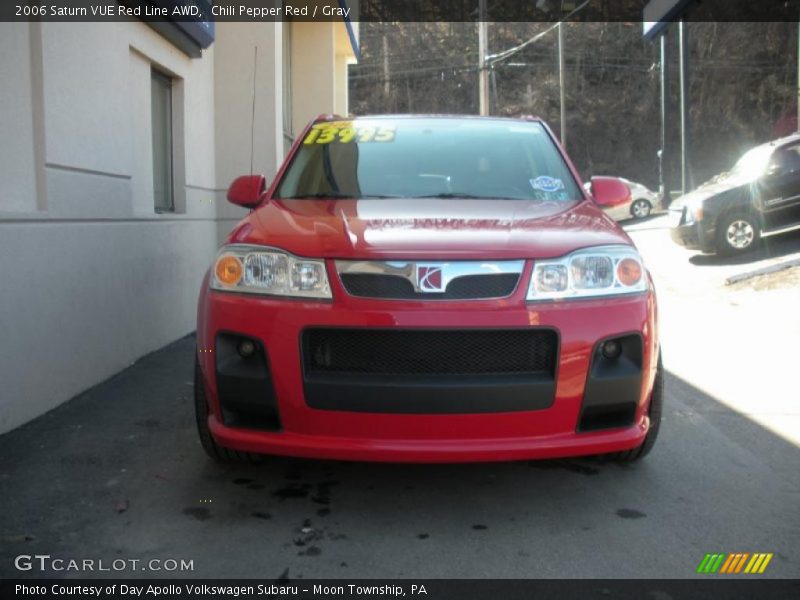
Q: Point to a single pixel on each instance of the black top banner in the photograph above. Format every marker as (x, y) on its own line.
(397, 10)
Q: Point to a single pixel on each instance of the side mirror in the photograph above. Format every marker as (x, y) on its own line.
(609, 191)
(247, 190)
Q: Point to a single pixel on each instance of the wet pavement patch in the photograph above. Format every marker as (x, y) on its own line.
(630, 513)
(242, 481)
(198, 512)
(293, 474)
(310, 551)
(291, 491)
(323, 492)
(261, 515)
(566, 465)
(308, 535)
(423, 536)
(479, 527)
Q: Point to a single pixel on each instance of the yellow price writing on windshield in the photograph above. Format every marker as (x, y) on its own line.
(345, 132)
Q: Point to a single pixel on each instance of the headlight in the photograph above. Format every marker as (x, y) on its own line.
(693, 211)
(694, 214)
(261, 270)
(601, 271)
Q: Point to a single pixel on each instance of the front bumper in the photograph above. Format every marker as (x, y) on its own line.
(358, 435)
(427, 450)
(693, 236)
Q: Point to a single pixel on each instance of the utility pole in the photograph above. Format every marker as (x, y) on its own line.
(483, 71)
(386, 89)
(561, 84)
(664, 155)
(798, 76)
(686, 174)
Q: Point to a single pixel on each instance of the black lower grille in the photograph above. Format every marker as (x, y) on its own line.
(430, 352)
(469, 287)
(244, 385)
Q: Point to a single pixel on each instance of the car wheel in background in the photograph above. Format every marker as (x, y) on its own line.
(641, 208)
(737, 233)
(201, 410)
(654, 412)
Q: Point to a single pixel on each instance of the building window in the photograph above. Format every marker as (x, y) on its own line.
(161, 122)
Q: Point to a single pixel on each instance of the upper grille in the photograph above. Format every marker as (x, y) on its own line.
(430, 352)
(468, 287)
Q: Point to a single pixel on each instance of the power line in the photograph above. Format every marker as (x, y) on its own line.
(584, 65)
(495, 58)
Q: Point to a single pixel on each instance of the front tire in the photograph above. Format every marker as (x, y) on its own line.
(201, 411)
(641, 208)
(654, 412)
(737, 233)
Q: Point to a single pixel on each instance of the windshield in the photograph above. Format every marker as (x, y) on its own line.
(428, 157)
(752, 164)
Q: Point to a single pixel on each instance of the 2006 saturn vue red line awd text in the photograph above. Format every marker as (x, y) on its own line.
(427, 289)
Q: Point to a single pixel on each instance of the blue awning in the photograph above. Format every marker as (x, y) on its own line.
(350, 33)
(660, 13)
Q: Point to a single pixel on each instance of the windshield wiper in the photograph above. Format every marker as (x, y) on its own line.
(335, 195)
(458, 195)
(338, 196)
(449, 195)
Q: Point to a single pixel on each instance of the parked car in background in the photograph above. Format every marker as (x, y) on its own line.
(427, 289)
(759, 197)
(640, 204)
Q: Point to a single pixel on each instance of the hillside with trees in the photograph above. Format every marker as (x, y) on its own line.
(743, 85)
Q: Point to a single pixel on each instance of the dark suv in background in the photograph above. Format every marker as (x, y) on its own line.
(760, 196)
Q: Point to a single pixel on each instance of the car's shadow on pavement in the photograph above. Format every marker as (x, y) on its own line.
(118, 472)
(769, 248)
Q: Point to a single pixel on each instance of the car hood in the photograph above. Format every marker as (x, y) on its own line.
(707, 190)
(427, 228)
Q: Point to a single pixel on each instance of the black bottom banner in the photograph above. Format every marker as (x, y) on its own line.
(432, 589)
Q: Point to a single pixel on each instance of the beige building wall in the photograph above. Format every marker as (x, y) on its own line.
(92, 277)
(320, 55)
(249, 60)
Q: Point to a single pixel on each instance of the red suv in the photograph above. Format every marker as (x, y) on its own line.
(427, 289)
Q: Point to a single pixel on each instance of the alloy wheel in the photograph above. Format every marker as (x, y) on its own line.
(640, 209)
(740, 234)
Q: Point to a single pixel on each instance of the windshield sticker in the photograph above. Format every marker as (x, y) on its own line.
(345, 132)
(547, 184)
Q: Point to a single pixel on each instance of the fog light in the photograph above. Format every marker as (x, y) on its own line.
(246, 348)
(611, 349)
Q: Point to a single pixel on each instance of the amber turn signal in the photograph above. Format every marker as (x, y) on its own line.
(629, 272)
(228, 270)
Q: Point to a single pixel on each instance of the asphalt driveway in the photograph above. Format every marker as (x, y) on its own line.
(118, 473)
